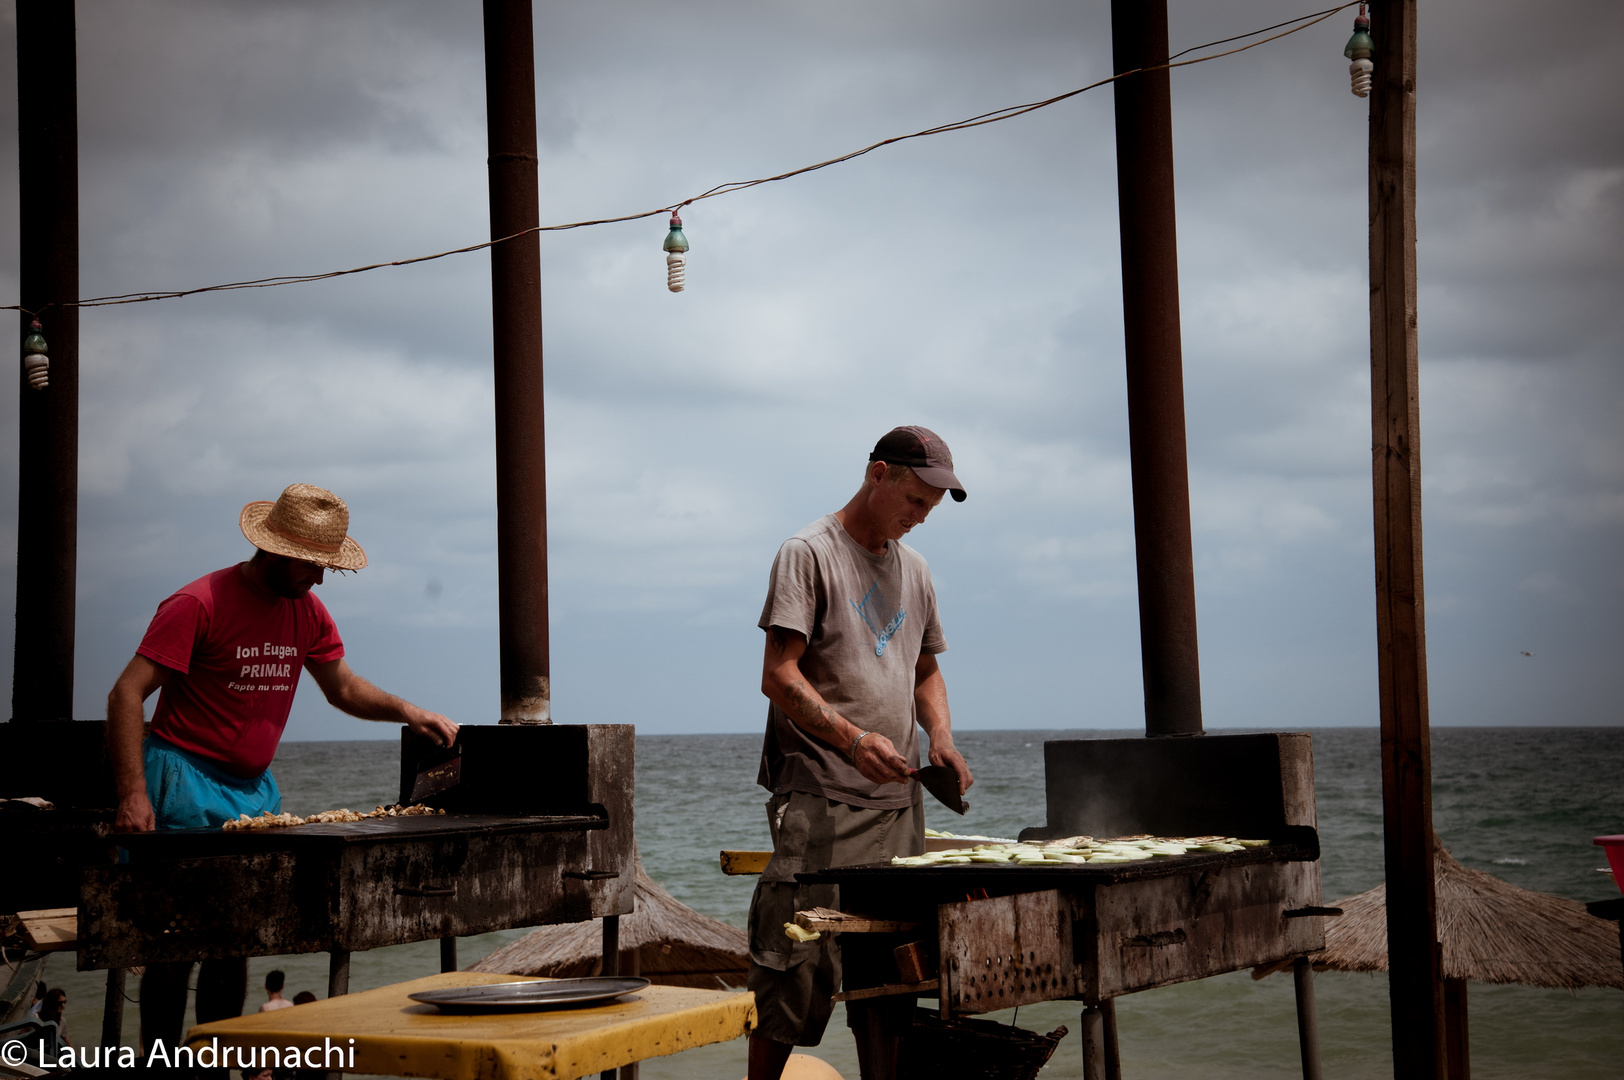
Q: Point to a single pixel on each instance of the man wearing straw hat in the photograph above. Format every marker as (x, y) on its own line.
(225, 655)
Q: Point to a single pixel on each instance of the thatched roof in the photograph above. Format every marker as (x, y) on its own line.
(675, 946)
(1491, 931)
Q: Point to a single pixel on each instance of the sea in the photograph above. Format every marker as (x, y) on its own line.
(1520, 803)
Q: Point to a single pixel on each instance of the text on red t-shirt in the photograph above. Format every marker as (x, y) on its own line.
(234, 650)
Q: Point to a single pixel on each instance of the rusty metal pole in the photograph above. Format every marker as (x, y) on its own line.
(521, 457)
(1150, 310)
(48, 427)
(1415, 977)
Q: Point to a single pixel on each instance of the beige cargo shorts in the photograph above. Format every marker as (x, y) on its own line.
(794, 980)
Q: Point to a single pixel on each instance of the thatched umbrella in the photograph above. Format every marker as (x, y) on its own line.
(662, 940)
(1490, 931)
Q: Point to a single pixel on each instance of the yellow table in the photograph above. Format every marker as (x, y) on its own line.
(395, 1035)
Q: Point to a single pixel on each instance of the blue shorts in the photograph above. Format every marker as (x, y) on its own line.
(191, 792)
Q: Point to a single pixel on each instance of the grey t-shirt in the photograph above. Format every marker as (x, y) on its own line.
(866, 618)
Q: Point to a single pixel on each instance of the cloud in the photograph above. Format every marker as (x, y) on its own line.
(969, 282)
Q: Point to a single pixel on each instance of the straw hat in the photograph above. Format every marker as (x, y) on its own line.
(305, 522)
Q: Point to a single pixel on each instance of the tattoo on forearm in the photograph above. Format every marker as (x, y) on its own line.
(808, 712)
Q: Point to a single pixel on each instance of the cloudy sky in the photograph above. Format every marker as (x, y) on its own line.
(968, 282)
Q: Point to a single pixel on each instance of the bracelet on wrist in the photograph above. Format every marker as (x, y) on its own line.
(857, 740)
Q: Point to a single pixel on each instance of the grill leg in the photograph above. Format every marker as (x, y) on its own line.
(113, 1009)
(338, 984)
(1094, 1043)
(1302, 973)
(1113, 1060)
(611, 966)
(448, 954)
(338, 973)
(629, 1072)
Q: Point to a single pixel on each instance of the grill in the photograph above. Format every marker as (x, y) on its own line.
(1006, 935)
(538, 831)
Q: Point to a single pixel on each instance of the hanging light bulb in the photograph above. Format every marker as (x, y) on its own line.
(1359, 50)
(675, 245)
(36, 364)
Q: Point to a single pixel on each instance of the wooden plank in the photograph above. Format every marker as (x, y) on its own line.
(51, 929)
(888, 990)
(842, 922)
(736, 863)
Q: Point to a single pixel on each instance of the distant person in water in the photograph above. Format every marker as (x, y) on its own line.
(224, 655)
(303, 997)
(274, 981)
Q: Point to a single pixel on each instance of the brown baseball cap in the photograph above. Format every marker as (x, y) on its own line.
(923, 451)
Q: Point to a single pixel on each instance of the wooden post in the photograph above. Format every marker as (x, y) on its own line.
(1155, 366)
(1455, 1027)
(521, 458)
(1415, 982)
(1302, 974)
(48, 419)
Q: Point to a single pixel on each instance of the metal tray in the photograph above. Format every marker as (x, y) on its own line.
(519, 996)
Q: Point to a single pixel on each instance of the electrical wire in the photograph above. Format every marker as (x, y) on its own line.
(993, 117)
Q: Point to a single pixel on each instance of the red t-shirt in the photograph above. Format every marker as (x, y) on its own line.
(234, 650)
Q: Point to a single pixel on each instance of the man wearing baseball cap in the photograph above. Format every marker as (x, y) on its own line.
(850, 671)
(225, 654)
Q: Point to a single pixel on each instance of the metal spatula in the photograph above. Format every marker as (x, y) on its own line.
(943, 783)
